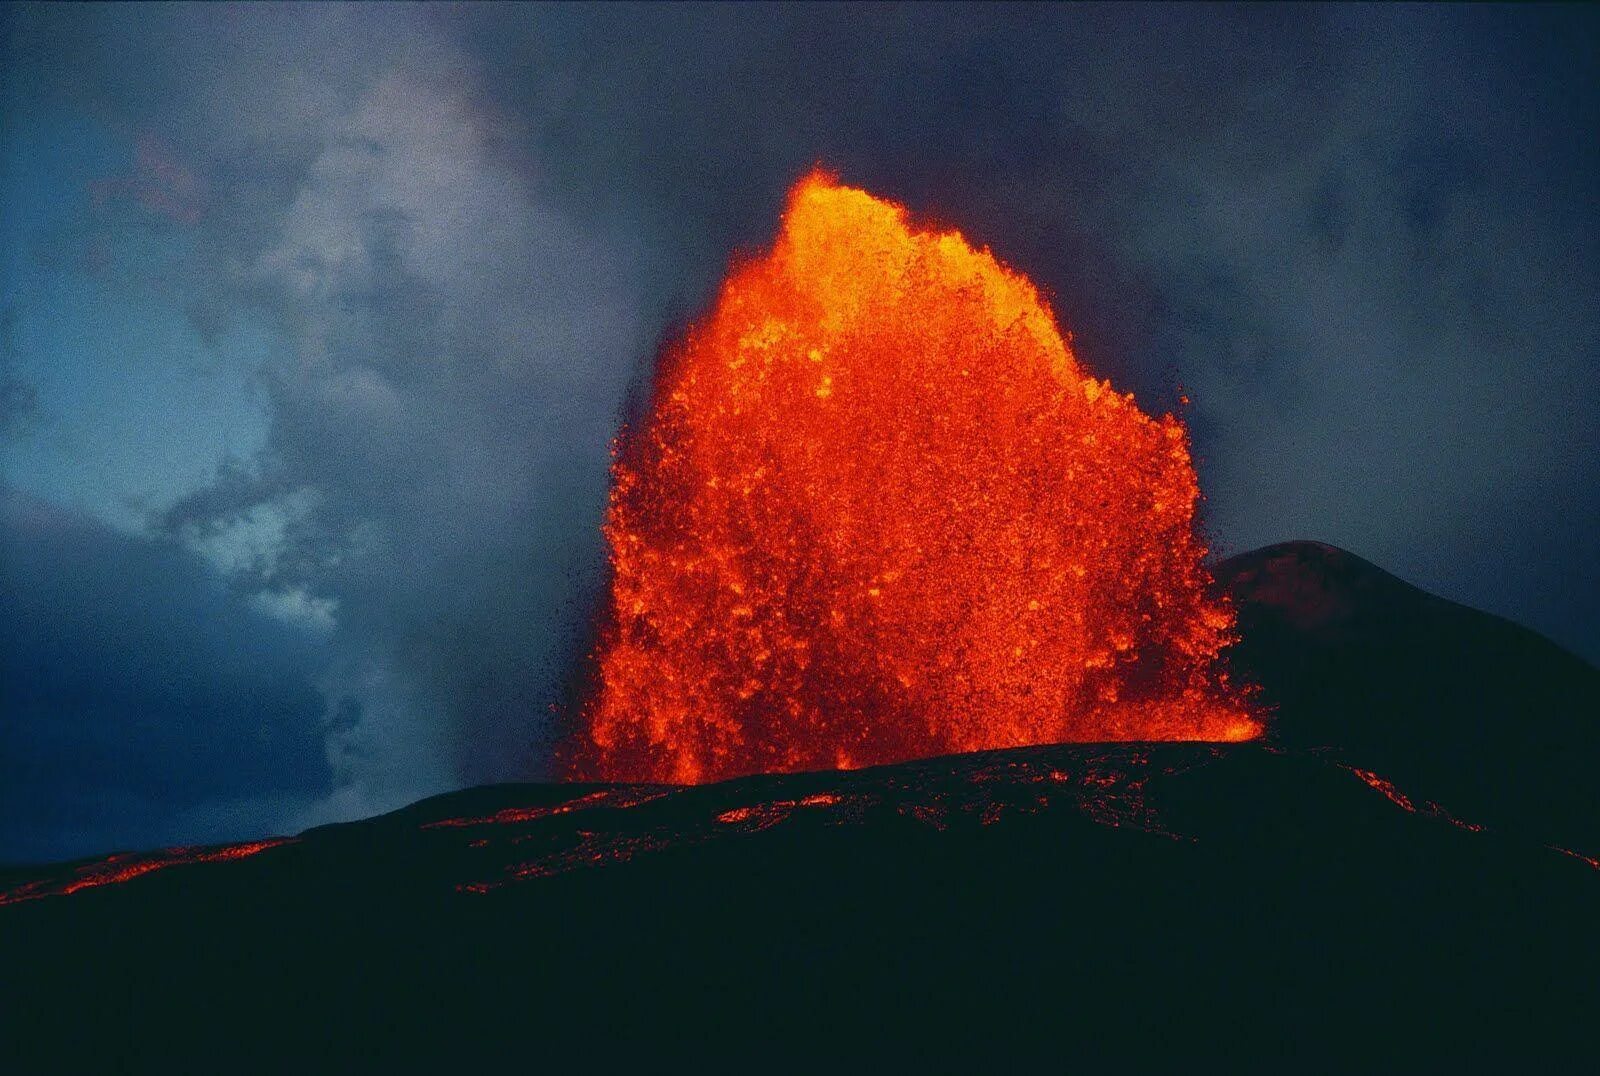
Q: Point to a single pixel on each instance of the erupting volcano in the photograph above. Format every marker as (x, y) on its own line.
(879, 511)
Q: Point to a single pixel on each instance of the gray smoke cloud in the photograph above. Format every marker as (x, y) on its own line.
(1361, 239)
(455, 350)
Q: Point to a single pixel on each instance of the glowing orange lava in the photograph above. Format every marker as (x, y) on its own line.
(878, 511)
(126, 866)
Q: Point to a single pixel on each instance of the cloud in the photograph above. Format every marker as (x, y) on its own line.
(143, 701)
(1385, 330)
(19, 400)
(456, 351)
(159, 184)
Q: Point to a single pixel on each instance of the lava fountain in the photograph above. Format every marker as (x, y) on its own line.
(878, 511)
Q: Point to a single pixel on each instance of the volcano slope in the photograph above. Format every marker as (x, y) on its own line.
(1397, 876)
(1445, 701)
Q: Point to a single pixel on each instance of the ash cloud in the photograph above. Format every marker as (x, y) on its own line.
(1361, 239)
(454, 350)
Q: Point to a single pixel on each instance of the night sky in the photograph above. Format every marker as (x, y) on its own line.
(317, 322)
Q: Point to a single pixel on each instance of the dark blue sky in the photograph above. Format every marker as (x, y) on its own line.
(317, 320)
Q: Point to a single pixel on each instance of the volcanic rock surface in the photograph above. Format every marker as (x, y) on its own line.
(1445, 701)
(1401, 874)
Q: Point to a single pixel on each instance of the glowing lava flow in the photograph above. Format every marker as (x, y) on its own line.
(878, 511)
(126, 866)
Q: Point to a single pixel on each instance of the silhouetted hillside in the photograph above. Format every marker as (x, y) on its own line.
(1455, 704)
(1386, 882)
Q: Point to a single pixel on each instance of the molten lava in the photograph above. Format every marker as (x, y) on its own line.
(878, 511)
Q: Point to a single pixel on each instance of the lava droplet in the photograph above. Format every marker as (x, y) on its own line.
(878, 511)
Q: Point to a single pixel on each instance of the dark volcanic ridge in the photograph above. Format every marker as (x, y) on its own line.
(1449, 703)
(1405, 868)
(1166, 899)
(486, 839)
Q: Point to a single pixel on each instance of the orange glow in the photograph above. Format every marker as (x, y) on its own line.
(1590, 861)
(878, 511)
(1384, 785)
(605, 797)
(1425, 807)
(126, 866)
